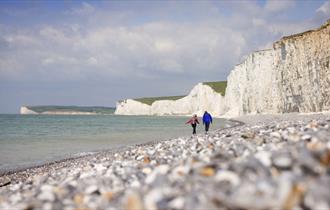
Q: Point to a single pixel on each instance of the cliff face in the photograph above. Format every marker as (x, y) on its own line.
(301, 63)
(201, 98)
(25, 110)
(132, 107)
(251, 87)
(294, 76)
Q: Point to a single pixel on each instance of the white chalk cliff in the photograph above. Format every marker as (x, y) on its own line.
(250, 85)
(293, 76)
(132, 107)
(201, 97)
(25, 110)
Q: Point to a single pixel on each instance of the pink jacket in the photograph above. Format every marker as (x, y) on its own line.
(193, 120)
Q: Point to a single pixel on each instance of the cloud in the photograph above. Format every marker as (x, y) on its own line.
(325, 8)
(153, 50)
(147, 49)
(48, 61)
(92, 61)
(84, 9)
(279, 5)
(52, 34)
(165, 46)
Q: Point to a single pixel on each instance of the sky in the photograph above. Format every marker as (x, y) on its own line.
(94, 53)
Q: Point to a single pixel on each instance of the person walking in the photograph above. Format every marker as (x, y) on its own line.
(193, 122)
(207, 119)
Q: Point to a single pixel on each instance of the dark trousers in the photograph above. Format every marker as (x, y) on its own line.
(194, 128)
(207, 125)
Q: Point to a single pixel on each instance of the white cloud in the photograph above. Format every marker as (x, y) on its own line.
(279, 5)
(48, 61)
(85, 9)
(92, 61)
(20, 39)
(325, 8)
(212, 45)
(258, 22)
(150, 49)
(166, 46)
(170, 65)
(53, 34)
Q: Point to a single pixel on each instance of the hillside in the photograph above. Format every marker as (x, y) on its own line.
(218, 86)
(150, 100)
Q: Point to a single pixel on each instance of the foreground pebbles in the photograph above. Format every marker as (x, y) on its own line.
(270, 165)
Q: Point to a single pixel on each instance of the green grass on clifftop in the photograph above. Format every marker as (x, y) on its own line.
(219, 86)
(150, 100)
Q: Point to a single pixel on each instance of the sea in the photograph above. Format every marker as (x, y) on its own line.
(31, 140)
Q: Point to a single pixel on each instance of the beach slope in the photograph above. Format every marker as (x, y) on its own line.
(280, 161)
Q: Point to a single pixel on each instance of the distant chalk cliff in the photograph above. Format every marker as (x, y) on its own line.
(66, 110)
(202, 97)
(25, 110)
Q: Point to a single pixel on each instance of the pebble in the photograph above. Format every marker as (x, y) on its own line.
(280, 164)
(146, 170)
(275, 135)
(282, 161)
(228, 176)
(207, 171)
(91, 189)
(264, 157)
(133, 202)
(249, 135)
(46, 196)
(177, 203)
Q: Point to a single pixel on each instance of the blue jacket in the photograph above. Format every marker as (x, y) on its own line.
(207, 118)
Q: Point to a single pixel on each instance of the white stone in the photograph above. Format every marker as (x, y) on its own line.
(91, 189)
(159, 170)
(136, 184)
(151, 199)
(46, 196)
(15, 198)
(100, 167)
(177, 203)
(46, 188)
(264, 157)
(275, 135)
(229, 176)
(146, 170)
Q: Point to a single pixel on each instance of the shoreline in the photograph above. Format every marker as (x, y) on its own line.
(44, 167)
(281, 161)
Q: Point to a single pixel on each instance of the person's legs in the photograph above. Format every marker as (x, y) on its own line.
(194, 128)
(207, 125)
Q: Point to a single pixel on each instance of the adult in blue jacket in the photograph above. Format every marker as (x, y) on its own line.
(207, 119)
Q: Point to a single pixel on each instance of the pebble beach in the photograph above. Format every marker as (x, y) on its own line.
(262, 162)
